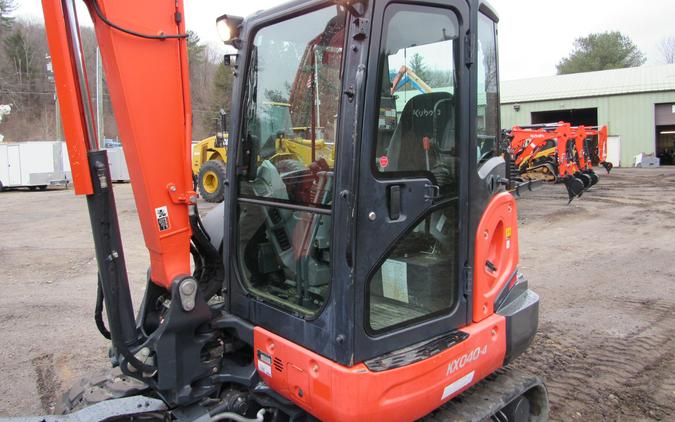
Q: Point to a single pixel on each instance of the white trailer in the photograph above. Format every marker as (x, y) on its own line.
(34, 164)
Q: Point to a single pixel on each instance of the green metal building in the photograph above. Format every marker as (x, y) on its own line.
(637, 105)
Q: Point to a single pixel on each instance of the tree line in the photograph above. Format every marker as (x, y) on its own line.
(27, 81)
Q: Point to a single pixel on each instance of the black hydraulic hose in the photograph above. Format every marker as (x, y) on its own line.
(101, 16)
(98, 311)
(110, 259)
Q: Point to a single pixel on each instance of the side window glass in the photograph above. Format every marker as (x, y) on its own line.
(417, 122)
(416, 137)
(419, 277)
(488, 89)
(293, 92)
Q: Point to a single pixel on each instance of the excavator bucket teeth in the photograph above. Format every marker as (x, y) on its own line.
(575, 187)
(607, 166)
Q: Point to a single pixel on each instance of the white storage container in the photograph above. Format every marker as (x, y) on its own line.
(33, 164)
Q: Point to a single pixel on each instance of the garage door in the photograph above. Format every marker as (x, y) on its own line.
(664, 114)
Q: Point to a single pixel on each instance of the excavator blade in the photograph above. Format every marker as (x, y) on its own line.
(608, 166)
(575, 187)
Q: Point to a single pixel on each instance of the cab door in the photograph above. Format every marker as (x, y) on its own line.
(412, 191)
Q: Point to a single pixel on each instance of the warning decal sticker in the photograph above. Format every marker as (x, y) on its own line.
(265, 363)
(162, 214)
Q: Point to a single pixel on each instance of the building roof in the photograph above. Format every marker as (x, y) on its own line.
(590, 84)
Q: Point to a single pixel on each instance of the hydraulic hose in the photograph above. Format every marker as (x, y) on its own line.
(231, 416)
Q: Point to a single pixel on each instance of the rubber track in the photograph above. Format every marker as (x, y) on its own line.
(108, 384)
(484, 399)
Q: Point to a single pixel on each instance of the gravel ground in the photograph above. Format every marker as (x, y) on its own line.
(604, 267)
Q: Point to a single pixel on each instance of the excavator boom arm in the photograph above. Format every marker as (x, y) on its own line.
(144, 54)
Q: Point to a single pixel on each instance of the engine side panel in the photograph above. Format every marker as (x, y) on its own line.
(333, 392)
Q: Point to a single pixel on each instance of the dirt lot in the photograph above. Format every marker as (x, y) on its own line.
(604, 267)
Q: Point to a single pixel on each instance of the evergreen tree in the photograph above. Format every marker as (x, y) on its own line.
(418, 66)
(601, 51)
(221, 96)
(6, 18)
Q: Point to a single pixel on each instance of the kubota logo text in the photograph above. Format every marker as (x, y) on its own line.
(424, 112)
(467, 357)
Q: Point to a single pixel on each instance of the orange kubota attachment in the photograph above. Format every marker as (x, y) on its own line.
(147, 76)
(598, 149)
(552, 144)
(527, 142)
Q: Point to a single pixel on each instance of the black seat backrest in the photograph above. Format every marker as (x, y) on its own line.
(425, 115)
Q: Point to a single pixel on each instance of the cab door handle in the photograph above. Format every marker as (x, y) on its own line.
(394, 202)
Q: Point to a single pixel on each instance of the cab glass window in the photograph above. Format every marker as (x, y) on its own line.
(416, 127)
(487, 123)
(416, 137)
(288, 143)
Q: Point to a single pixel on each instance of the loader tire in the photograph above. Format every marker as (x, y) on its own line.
(210, 180)
(105, 385)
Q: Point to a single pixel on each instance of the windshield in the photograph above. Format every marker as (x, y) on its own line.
(293, 93)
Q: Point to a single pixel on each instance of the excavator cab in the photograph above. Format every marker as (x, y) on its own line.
(363, 266)
(379, 282)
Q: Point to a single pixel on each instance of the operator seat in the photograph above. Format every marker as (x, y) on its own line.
(428, 115)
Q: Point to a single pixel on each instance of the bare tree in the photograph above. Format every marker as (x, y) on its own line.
(667, 49)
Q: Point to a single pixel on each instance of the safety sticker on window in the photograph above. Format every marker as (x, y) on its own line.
(395, 280)
(162, 214)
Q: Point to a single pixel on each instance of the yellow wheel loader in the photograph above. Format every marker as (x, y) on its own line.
(282, 142)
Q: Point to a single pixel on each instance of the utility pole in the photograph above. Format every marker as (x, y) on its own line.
(99, 98)
(57, 110)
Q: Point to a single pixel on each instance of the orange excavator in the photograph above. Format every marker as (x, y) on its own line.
(557, 152)
(594, 146)
(343, 291)
(545, 152)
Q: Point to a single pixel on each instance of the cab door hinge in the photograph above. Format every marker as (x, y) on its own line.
(468, 49)
(362, 26)
(468, 281)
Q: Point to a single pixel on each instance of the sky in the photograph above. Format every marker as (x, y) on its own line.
(533, 34)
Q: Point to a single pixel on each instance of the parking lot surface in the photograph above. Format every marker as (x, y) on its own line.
(604, 267)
